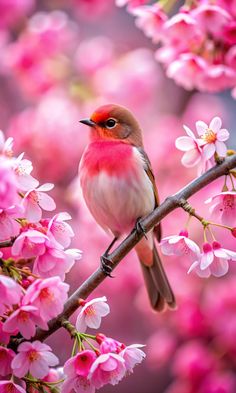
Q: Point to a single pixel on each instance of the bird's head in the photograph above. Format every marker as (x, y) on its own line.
(112, 121)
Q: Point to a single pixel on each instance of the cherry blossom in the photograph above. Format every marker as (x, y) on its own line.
(150, 19)
(179, 245)
(223, 207)
(213, 137)
(108, 344)
(9, 227)
(35, 200)
(132, 355)
(23, 169)
(76, 370)
(10, 293)
(8, 186)
(48, 296)
(6, 357)
(107, 368)
(191, 146)
(35, 358)
(30, 243)
(60, 229)
(24, 320)
(213, 260)
(91, 314)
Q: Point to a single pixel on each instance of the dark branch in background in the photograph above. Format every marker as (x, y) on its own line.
(170, 204)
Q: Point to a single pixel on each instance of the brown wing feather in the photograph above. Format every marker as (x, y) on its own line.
(149, 172)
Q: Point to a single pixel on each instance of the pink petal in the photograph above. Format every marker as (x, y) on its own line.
(191, 158)
(206, 260)
(201, 127)
(50, 358)
(93, 321)
(39, 368)
(46, 187)
(221, 148)
(81, 324)
(109, 365)
(189, 132)
(223, 135)
(215, 124)
(46, 202)
(101, 308)
(209, 150)
(184, 143)
(220, 267)
(33, 212)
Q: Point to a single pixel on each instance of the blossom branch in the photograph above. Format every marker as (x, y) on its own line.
(171, 203)
(7, 243)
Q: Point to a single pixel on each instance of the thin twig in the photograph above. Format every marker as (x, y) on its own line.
(171, 203)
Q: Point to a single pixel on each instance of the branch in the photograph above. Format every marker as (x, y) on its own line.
(148, 222)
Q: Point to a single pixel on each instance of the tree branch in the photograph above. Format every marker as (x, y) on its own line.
(148, 222)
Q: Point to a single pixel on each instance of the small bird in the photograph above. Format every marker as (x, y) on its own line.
(119, 188)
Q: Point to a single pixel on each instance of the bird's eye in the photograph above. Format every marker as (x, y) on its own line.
(110, 123)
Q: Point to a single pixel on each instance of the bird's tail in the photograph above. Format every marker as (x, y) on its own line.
(157, 284)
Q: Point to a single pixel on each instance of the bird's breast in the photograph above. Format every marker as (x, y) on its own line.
(115, 185)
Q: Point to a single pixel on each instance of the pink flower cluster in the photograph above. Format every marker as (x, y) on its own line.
(90, 370)
(201, 151)
(198, 45)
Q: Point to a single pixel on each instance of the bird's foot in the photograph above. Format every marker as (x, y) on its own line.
(139, 228)
(106, 265)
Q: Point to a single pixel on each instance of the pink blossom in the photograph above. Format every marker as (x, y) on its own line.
(6, 145)
(23, 169)
(8, 186)
(35, 358)
(179, 245)
(107, 368)
(192, 148)
(76, 370)
(224, 207)
(213, 137)
(133, 355)
(4, 336)
(213, 260)
(91, 314)
(10, 293)
(35, 200)
(6, 356)
(48, 296)
(24, 320)
(61, 231)
(8, 386)
(211, 18)
(30, 243)
(150, 19)
(12, 12)
(55, 261)
(108, 344)
(9, 227)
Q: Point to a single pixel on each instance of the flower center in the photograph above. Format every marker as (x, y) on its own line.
(209, 136)
(23, 316)
(228, 202)
(33, 196)
(89, 311)
(46, 294)
(33, 355)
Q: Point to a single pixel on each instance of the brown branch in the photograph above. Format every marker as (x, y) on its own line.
(7, 243)
(148, 222)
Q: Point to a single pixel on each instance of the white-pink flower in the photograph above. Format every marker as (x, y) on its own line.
(132, 354)
(48, 296)
(30, 243)
(213, 137)
(223, 207)
(24, 320)
(23, 169)
(9, 227)
(91, 314)
(35, 358)
(35, 200)
(213, 260)
(107, 368)
(8, 185)
(76, 370)
(55, 261)
(150, 19)
(179, 245)
(191, 146)
(9, 386)
(60, 229)
(10, 293)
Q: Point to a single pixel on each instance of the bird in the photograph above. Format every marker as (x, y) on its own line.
(119, 188)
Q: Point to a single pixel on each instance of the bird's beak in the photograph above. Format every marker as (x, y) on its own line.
(88, 122)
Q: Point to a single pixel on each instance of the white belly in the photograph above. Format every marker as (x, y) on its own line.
(116, 203)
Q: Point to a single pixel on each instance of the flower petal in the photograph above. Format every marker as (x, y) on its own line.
(223, 135)
(209, 150)
(220, 267)
(201, 127)
(215, 124)
(221, 148)
(184, 143)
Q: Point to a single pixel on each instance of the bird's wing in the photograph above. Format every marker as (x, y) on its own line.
(149, 172)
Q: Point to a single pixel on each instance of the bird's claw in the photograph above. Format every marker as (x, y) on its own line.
(105, 266)
(140, 230)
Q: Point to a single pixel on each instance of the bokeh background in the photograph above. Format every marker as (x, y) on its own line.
(60, 59)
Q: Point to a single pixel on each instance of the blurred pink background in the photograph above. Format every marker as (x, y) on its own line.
(60, 60)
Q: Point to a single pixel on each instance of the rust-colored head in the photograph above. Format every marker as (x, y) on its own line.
(114, 122)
